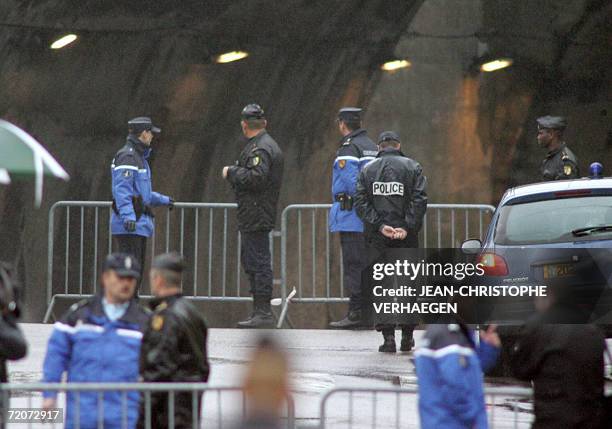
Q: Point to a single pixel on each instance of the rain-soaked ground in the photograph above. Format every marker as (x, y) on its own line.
(321, 360)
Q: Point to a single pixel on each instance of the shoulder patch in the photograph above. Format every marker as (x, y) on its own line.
(567, 169)
(342, 163)
(157, 322)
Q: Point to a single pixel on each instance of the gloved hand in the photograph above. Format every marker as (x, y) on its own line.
(170, 204)
(129, 225)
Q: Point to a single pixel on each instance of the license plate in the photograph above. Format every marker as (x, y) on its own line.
(558, 270)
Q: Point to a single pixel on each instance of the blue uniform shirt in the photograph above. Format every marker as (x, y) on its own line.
(131, 177)
(355, 152)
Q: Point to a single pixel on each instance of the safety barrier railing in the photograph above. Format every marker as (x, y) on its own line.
(310, 255)
(80, 237)
(219, 406)
(507, 407)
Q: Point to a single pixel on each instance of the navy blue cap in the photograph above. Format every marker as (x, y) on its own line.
(169, 261)
(388, 135)
(123, 264)
(252, 111)
(350, 114)
(142, 123)
(552, 122)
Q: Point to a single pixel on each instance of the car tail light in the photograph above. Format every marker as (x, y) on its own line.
(493, 264)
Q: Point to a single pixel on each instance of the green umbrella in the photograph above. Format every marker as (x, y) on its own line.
(21, 154)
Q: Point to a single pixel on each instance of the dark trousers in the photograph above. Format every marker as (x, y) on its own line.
(257, 262)
(376, 246)
(354, 261)
(183, 411)
(135, 245)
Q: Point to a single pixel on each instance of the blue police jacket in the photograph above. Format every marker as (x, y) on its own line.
(131, 178)
(89, 347)
(449, 370)
(355, 152)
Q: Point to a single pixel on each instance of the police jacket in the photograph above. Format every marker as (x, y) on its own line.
(449, 369)
(391, 191)
(256, 179)
(355, 152)
(89, 347)
(174, 344)
(132, 193)
(565, 363)
(560, 164)
(12, 346)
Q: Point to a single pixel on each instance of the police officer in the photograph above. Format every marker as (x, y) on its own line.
(560, 162)
(132, 218)
(391, 201)
(98, 340)
(356, 150)
(173, 345)
(256, 179)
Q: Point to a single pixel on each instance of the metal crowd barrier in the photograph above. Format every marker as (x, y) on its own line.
(398, 408)
(308, 255)
(220, 406)
(205, 233)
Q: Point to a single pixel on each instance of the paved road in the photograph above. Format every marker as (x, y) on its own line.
(320, 360)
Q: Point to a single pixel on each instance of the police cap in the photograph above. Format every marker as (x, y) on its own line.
(387, 136)
(552, 122)
(252, 111)
(169, 261)
(123, 264)
(142, 123)
(350, 114)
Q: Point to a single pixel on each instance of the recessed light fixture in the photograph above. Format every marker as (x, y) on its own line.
(497, 64)
(63, 41)
(395, 65)
(229, 57)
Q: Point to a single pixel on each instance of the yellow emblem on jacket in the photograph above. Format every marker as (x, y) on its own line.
(157, 322)
(567, 170)
(255, 161)
(342, 163)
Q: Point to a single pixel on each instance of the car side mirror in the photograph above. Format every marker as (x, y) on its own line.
(471, 247)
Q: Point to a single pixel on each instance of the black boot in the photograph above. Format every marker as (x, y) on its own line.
(351, 321)
(407, 339)
(262, 315)
(389, 345)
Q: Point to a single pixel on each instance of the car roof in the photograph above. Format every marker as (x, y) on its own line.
(556, 186)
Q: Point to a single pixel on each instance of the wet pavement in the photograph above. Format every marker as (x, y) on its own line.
(321, 360)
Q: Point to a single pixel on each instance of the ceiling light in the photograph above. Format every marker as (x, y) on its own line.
(63, 41)
(395, 65)
(228, 57)
(498, 64)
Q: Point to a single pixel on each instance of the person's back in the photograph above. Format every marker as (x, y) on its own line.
(565, 363)
(449, 369)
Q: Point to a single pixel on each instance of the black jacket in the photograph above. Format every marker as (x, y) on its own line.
(391, 191)
(256, 179)
(173, 350)
(12, 346)
(560, 164)
(565, 363)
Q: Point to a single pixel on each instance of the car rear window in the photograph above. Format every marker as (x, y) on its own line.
(552, 221)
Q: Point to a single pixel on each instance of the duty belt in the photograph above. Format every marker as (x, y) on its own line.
(345, 200)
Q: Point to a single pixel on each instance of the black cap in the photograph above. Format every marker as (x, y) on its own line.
(552, 122)
(123, 264)
(169, 261)
(252, 111)
(142, 123)
(388, 135)
(350, 114)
